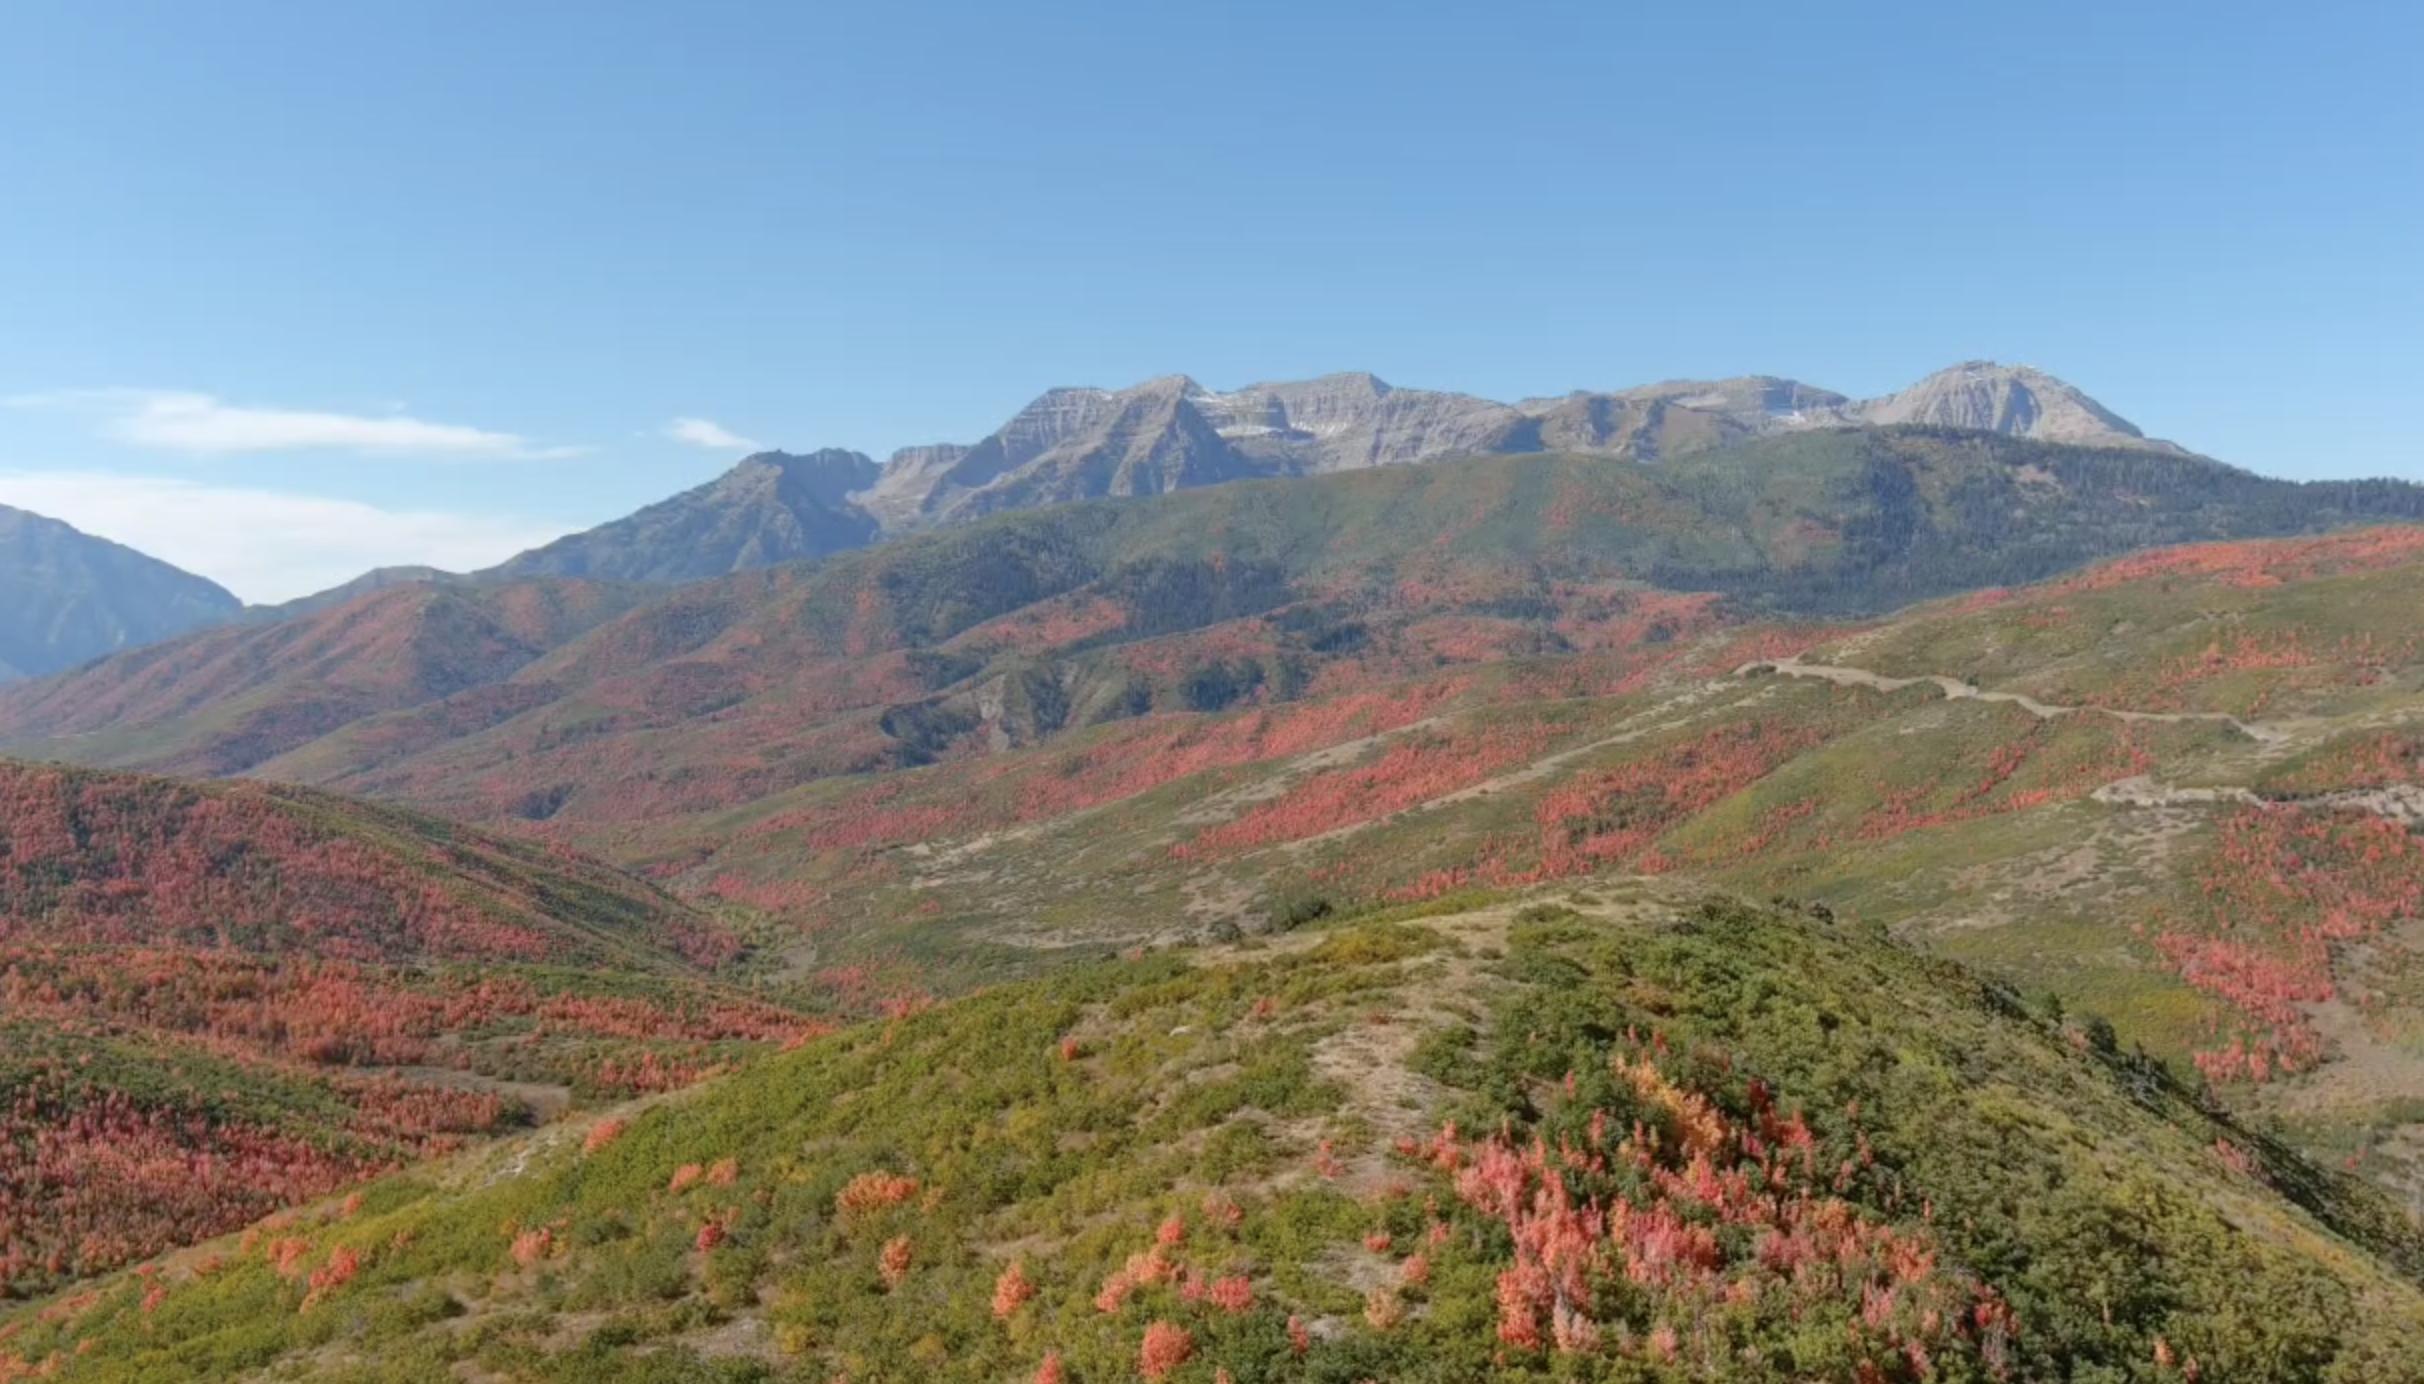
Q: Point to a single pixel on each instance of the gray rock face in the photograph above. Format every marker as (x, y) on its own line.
(1670, 419)
(905, 480)
(66, 597)
(773, 507)
(1172, 432)
(2018, 400)
(1680, 416)
(1342, 422)
(1084, 443)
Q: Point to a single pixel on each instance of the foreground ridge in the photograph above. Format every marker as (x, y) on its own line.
(1618, 1131)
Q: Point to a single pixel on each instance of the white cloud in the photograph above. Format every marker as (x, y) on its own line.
(204, 425)
(265, 545)
(702, 432)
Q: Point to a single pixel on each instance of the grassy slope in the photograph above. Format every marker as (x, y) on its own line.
(1273, 1117)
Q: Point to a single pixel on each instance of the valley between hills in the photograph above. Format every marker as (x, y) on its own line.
(1856, 899)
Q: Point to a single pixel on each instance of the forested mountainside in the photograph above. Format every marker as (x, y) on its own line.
(1020, 626)
(2191, 814)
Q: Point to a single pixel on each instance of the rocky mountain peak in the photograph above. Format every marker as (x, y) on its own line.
(2020, 400)
(826, 477)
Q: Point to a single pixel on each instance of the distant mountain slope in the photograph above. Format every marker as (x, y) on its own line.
(1172, 434)
(224, 699)
(1024, 626)
(66, 597)
(1616, 1134)
(772, 508)
(377, 579)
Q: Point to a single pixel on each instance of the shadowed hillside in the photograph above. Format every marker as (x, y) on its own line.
(66, 597)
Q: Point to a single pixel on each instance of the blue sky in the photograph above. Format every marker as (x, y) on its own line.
(288, 289)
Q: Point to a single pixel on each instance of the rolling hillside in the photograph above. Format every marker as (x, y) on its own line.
(1613, 1134)
(113, 859)
(2193, 820)
(223, 700)
(218, 999)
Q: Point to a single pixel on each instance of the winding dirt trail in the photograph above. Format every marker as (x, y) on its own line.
(1954, 689)
(2402, 803)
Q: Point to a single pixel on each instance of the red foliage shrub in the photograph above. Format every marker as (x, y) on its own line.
(343, 1263)
(532, 1246)
(1166, 1347)
(1692, 1211)
(892, 1264)
(1011, 1291)
(873, 1191)
(1233, 1294)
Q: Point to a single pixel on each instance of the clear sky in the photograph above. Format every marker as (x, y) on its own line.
(289, 289)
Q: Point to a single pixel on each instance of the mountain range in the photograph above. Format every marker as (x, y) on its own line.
(84, 597)
(543, 696)
(1174, 434)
